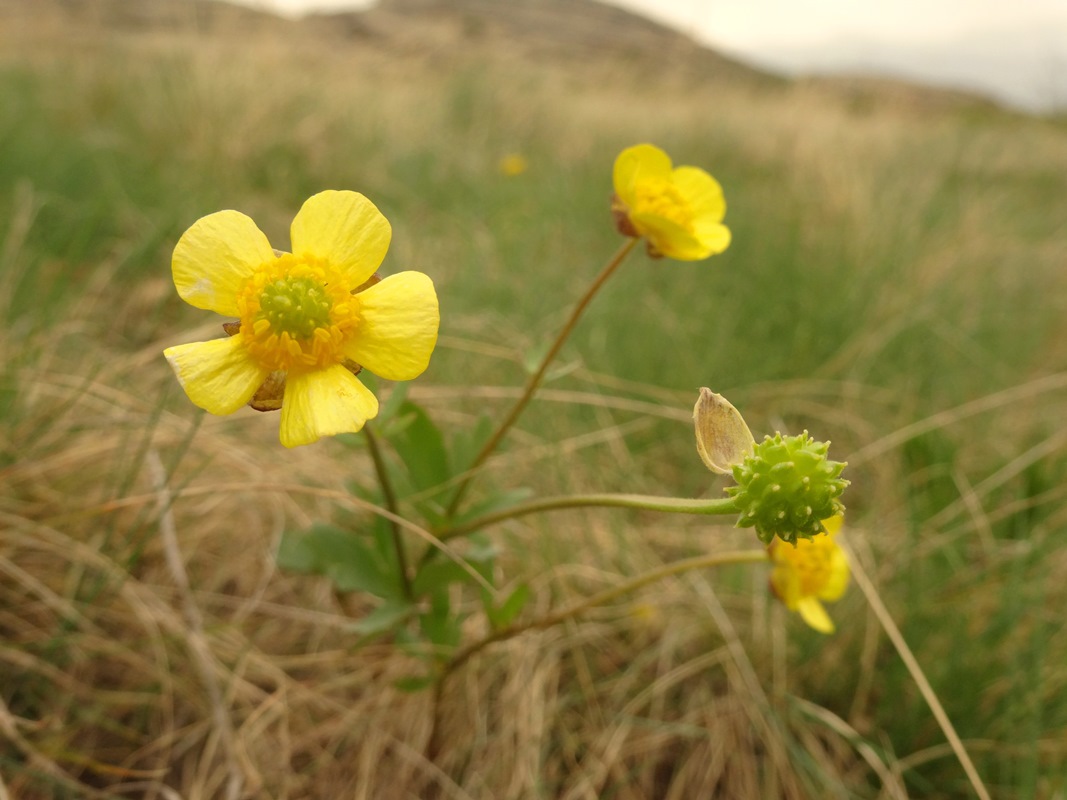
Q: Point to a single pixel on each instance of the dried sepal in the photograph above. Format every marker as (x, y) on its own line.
(723, 437)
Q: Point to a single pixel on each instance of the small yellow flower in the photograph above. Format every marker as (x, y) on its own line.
(679, 210)
(812, 570)
(513, 164)
(308, 320)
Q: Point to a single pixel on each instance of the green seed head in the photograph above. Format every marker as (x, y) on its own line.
(786, 487)
(295, 305)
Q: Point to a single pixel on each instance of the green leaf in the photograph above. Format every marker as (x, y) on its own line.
(384, 618)
(353, 441)
(421, 447)
(442, 631)
(391, 408)
(438, 624)
(361, 574)
(370, 380)
(467, 444)
(501, 616)
(437, 575)
(346, 558)
(295, 553)
(382, 535)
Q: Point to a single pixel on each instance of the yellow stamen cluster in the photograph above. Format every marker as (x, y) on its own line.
(662, 199)
(297, 312)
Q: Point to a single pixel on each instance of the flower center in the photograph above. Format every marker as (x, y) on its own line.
(296, 306)
(662, 199)
(297, 312)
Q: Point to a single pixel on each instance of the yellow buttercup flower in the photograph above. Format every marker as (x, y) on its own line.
(513, 164)
(679, 210)
(309, 320)
(812, 570)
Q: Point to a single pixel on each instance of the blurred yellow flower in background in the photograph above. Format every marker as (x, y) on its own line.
(679, 210)
(513, 164)
(309, 320)
(813, 570)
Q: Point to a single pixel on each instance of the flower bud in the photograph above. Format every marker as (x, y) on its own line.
(786, 487)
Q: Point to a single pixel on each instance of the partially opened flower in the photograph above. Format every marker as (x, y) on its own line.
(809, 572)
(309, 320)
(679, 210)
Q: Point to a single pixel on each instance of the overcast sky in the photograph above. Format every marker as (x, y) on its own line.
(1013, 49)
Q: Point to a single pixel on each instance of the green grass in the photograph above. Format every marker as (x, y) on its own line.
(888, 266)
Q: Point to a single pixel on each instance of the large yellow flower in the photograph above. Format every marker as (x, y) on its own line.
(814, 569)
(308, 320)
(679, 210)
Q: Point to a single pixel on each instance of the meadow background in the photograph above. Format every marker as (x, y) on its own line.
(896, 284)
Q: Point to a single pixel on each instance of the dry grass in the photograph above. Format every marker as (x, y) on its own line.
(104, 650)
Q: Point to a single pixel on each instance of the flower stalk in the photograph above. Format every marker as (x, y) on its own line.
(535, 380)
(433, 745)
(669, 505)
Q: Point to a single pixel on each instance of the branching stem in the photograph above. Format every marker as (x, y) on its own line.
(574, 610)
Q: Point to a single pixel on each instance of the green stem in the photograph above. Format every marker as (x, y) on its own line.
(390, 503)
(535, 380)
(670, 505)
(606, 596)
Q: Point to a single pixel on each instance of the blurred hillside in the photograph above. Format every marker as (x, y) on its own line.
(573, 35)
(560, 26)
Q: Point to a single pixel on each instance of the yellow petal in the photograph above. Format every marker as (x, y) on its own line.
(713, 236)
(723, 437)
(218, 375)
(669, 238)
(637, 163)
(398, 321)
(837, 581)
(833, 525)
(702, 192)
(812, 612)
(344, 228)
(215, 257)
(785, 582)
(324, 402)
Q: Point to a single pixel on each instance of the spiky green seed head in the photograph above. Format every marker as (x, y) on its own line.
(786, 487)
